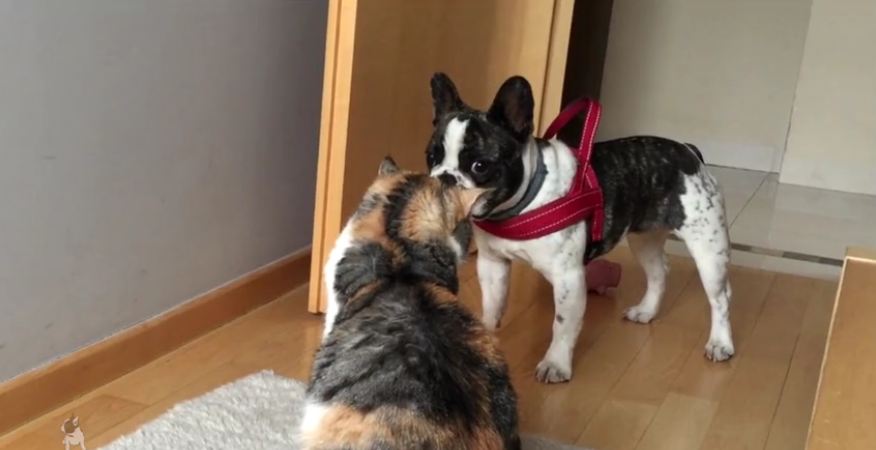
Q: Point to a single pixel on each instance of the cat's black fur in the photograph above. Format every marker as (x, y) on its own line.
(402, 342)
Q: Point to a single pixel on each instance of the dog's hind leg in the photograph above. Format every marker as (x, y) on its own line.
(705, 233)
(493, 276)
(648, 248)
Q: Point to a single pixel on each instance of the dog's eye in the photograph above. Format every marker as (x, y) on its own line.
(432, 159)
(480, 167)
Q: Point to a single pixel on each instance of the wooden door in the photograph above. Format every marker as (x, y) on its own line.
(380, 55)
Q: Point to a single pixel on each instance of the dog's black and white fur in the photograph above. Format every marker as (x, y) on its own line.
(652, 187)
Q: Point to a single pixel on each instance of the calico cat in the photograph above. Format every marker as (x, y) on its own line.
(403, 365)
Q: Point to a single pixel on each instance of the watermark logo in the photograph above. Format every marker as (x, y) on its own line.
(73, 434)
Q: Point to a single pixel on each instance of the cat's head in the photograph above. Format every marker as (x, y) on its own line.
(416, 210)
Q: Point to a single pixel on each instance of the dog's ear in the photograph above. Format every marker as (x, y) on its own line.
(445, 98)
(513, 107)
(387, 167)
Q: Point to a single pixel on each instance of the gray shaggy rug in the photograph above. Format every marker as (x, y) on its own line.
(257, 412)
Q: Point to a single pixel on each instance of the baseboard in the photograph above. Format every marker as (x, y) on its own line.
(34, 393)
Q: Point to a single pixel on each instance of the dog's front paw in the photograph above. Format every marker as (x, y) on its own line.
(639, 314)
(549, 371)
(719, 351)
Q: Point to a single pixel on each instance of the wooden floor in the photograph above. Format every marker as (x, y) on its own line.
(635, 386)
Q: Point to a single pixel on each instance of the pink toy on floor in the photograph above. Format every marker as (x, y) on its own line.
(601, 275)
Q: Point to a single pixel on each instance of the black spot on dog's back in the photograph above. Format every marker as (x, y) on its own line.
(642, 180)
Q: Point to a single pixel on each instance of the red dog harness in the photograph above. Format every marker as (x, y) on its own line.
(582, 202)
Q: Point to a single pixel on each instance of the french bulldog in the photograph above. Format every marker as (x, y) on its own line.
(652, 188)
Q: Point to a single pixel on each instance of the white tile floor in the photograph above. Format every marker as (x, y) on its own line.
(781, 217)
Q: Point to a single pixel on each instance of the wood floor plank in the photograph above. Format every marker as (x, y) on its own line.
(702, 378)
(642, 387)
(672, 337)
(95, 416)
(205, 382)
(148, 384)
(673, 351)
(652, 373)
(603, 431)
(798, 394)
(680, 425)
(749, 401)
(606, 347)
(563, 411)
(290, 345)
(634, 386)
(599, 365)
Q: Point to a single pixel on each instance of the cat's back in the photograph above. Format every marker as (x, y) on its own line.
(420, 364)
(403, 365)
(400, 343)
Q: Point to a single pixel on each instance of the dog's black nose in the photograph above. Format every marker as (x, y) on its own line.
(447, 179)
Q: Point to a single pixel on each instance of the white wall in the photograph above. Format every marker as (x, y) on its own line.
(832, 143)
(717, 73)
(150, 150)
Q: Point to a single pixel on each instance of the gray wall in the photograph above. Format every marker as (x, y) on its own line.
(150, 150)
(832, 141)
(720, 74)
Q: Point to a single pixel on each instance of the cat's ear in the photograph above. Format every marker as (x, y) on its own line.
(469, 197)
(387, 167)
(76, 421)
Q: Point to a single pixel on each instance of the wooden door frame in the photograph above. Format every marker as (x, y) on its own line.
(337, 83)
(555, 72)
(337, 78)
